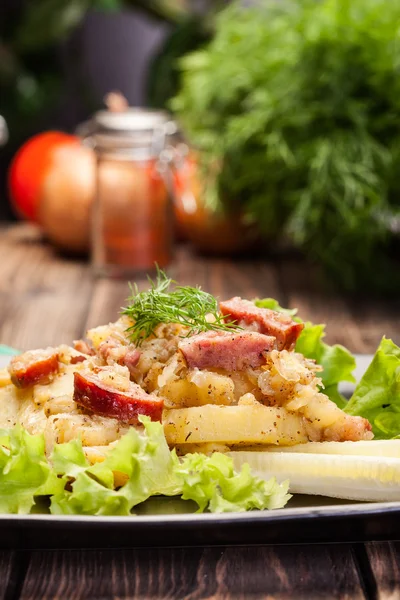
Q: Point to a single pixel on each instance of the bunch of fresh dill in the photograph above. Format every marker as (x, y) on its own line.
(299, 104)
(166, 302)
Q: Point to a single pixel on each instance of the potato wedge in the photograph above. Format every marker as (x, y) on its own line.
(251, 424)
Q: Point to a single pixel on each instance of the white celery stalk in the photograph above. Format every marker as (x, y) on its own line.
(364, 478)
(389, 448)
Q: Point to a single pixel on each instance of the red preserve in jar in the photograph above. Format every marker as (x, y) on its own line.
(132, 224)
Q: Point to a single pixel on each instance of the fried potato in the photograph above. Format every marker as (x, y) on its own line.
(10, 399)
(5, 378)
(93, 430)
(96, 454)
(243, 424)
(199, 389)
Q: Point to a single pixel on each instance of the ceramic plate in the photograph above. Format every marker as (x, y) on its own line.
(171, 522)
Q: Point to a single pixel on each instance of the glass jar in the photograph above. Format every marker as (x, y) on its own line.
(132, 221)
(211, 232)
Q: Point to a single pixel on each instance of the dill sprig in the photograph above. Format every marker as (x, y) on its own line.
(188, 306)
(302, 120)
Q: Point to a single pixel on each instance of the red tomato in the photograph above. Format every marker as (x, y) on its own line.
(30, 166)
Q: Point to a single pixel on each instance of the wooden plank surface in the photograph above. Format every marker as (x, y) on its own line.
(43, 300)
(301, 572)
(7, 575)
(358, 323)
(384, 558)
(46, 300)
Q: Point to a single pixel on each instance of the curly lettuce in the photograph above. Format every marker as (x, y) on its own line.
(24, 471)
(213, 483)
(143, 463)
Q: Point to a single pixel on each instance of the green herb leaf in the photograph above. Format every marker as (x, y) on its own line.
(186, 306)
(303, 117)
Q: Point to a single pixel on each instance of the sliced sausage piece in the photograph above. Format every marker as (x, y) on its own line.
(35, 366)
(95, 394)
(281, 326)
(223, 350)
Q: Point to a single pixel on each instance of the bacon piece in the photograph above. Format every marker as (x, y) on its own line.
(111, 351)
(132, 358)
(82, 346)
(35, 366)
(78, 359)
(347, 429)
(223, 350)
(94, 394)
(281, 326)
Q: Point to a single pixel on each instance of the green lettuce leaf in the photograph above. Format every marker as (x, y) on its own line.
(337, 362)
(86, 495)
(212, 482)
(78, 488)
(24, 471)
(273, 304)
(145, 459)
(152, 469)
(377, 395)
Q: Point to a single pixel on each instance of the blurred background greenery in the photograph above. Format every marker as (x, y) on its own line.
(43, 78)
(293, 108)
(31, 36)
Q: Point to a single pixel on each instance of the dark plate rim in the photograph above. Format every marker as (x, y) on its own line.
(350, 509)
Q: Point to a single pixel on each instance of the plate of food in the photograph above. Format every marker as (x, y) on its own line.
(190, 420)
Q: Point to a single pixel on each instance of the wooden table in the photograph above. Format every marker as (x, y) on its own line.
(45, 300)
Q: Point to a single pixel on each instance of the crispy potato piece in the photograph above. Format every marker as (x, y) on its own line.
(209, 449)
(179, 393)
(243, 424)
(198, 389)
(10, 399)
(31, 416)
(62, 385)
(93, 431)
(5, 378)
(96, 454)
(60, 404)
(213, 388)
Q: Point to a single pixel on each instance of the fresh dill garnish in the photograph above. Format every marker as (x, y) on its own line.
(188, 306)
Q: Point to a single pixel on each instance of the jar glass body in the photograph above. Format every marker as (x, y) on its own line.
(132, 221)
(211, 232)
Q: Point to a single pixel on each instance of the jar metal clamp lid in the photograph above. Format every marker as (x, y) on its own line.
(134, 134)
